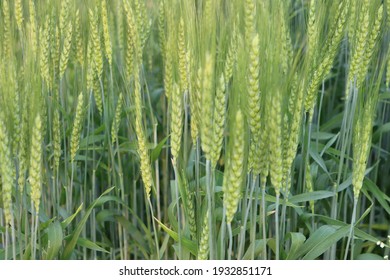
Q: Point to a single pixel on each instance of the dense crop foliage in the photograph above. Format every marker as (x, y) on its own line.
(207, 129)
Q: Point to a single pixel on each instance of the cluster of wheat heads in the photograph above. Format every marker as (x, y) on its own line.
(208, 129)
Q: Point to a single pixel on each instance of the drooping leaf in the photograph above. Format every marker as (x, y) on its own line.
(75, 236)
(186, 243)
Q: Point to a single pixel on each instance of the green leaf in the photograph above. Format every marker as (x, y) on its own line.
(135, 234)
(297, 239)
(68, 220)
(271, 198)
(348, 181)
(90, 245)
(378, 194)
(322, 234)
(55, 237)
(382, 129)
(325, 242)
(358, 232)
(104, 216)
(257, 246)
(157, 150)
(321, 135)
(75, 236)
(128, 147)
(329, 144)
(312, 196)
(314, 154)
(369, 256)
(89, 140)
(186, 243)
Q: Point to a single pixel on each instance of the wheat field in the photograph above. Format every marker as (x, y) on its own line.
(204, 129)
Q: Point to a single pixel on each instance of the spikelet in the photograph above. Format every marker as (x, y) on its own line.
(97, 95)
(264, 150)
(43, 112)
(144, 158)
(388, 12)
(15, 115)
(79, 40)
(231, 56)
(275, 141)
(207, 107)
(195, 99)
(250, 12)
(77, 127)
(19, 14)
(35, 172)
(56, 139)
(359, 48)
(293, 133)
(33, 28)
(55, 53)
(119, 27)
(189, 207)
(146, 170)
(64, 16)
(168, 74)
(176, 121)
(66, 50)
(131, 41)
(23, 153)
(287, 48)
(309, 186)
(140, 17)
(106, 33)
(352, 22)
(44, 40)
(203, 250)
(133, 34)
(129, 56)
(253, 88)
(90, 71)
(312, 32)
(117, 119)
(7, 31)
(6, 168)
(209, 14)
(96, 49)
(370, 46)
(264, 141)
(325, 65)
(161, 27)
(181, 45)
(219, 121)
(361, 145)
(233, 177)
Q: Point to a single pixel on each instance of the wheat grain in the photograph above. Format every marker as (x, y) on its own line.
(35, 172)
(6, 171)
(106, 33)
(203, 250)
(176, 121)
(219, 121)
(77, 127)
(96, 50)
(253, 87)
(117, 119)
(19, 14)
(233, 177)
(207, 106)
(275, 138)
